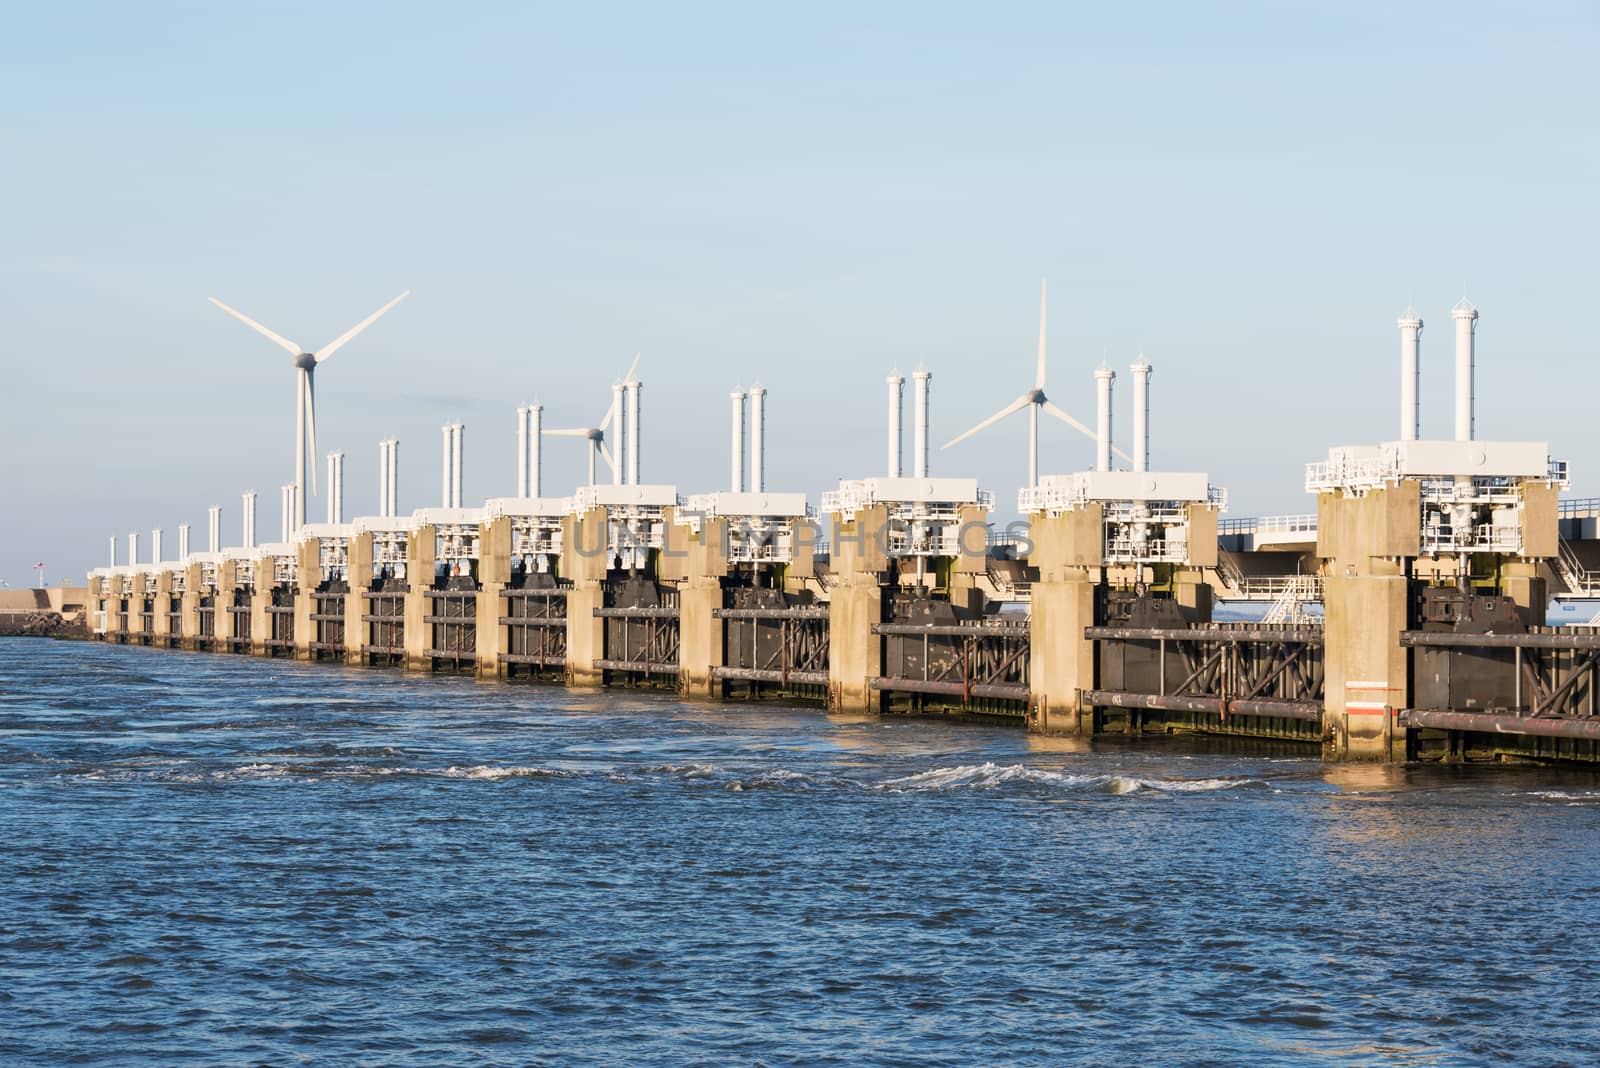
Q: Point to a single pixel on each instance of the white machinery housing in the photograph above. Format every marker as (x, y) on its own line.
(924, 514)
(536, 528)
(1145, 513)
(635, 520)
(1471, 490)
(762, 527)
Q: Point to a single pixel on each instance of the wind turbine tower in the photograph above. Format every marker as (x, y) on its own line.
(1035, 401)
(305, 405)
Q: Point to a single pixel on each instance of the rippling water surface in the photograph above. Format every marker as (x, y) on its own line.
(224, 860)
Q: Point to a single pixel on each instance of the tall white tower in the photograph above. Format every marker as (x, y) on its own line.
(133, 548)
(214, 529)
(919, 422)
(1410, 324)
(896, 403)
(530, 427)
(633, 386)
(1103, 377)
(458, 459)
(336, 487)
(248, 539)
(155, 546)
(183, 543)
(619, 452)
(736, 445)
(1141, 414)
(758, 439)
(1466, 317)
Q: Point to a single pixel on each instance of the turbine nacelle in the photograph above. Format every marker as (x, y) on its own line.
(306, 362)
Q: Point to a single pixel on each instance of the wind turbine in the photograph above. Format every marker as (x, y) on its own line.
(305, 401)
(1035, 401)
(597, 434)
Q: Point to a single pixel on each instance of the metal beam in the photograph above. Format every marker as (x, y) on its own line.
(993, 690)
(1310, 711)
(802, 678)
(1310, 635)
(804, 612)
(1448, 639)
(1492, 723)
(946, 630)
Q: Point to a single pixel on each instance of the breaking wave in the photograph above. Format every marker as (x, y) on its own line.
(989, 776)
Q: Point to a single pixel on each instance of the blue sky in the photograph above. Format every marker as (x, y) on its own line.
(808, 196)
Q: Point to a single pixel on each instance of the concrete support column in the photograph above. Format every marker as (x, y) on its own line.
(189, 612)
(494, 572)
(699, 564)
(308, 576)
(1365, 543)
(1067, 550)
(1367, 672)
(161, 625)
(221, 618)
(855, 603)
(356, 632)
(421, 556)
(260, 618)
(1060, 659)
(584, 561)
(700, 638)
(855, 654)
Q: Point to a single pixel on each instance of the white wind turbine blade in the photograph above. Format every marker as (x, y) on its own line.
(1038, 378)
(311, 424)
(1015, 406)
(606, 453)
(337, 343)
(574, 432)
(634, 367)
(1065, 418)
(258, 328)
(610, 414)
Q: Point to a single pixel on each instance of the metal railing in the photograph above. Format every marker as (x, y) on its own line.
(1579, 578)
(1305, 523)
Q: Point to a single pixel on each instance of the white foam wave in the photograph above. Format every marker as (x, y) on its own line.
(1579, 798)
(989, 776)
(495, 774)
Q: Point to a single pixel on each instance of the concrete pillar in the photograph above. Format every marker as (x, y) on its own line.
(221, 618)
(260, 601)
(421, 556)
(161, 625)
(356, 632)
(308, 574)
(494, 573)
(189, 613)
(1060, 659)
(1067, 552)
(583, 559)
(698, 564)
(855, 603)
(1365, 543)
(1190, 589)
